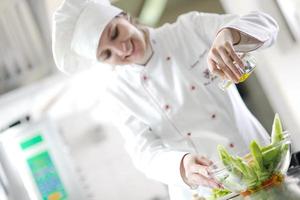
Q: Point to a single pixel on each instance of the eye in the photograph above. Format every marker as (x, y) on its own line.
(115, 33)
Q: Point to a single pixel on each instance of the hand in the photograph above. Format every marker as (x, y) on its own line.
(194, 171)
(222, 56)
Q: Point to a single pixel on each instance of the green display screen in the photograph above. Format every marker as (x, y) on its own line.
(31, 142)
(46, 177)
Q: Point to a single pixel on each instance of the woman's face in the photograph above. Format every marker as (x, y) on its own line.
(122, 43)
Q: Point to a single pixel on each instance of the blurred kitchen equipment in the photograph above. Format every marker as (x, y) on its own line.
(25, 51)
(36, 164)
(295, 160)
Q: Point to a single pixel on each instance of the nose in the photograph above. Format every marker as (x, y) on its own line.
(122, 48)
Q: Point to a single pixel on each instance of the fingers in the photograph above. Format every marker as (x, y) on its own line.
(234, 56)
(214, 68)
(196, 171)
(201, 165)
(215, 55)
(199, 179)
(199, 169)
(224, 61)
(202, 160)
(229, 62)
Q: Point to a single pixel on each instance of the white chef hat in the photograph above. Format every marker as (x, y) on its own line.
(77, 27)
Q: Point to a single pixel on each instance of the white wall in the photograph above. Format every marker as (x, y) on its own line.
(278, 66)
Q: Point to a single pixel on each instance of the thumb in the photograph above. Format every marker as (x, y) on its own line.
(202, 160)
(199, 169)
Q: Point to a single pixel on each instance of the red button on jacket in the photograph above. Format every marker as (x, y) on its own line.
(145, 77)
(167, 107)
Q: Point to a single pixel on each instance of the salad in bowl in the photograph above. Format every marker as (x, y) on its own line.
(261, 167)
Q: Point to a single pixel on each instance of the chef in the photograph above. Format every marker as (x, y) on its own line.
(165, 92)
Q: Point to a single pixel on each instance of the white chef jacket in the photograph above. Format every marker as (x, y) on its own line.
(173, 105)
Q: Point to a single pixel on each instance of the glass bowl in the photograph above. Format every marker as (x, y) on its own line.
(243, 175)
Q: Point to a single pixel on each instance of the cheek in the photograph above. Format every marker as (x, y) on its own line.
(141, 43)
(142, 40)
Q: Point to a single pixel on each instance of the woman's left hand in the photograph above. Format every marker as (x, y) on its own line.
(222, 58)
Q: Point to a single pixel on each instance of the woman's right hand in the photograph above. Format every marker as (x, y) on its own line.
(194, 171)
(222, 58)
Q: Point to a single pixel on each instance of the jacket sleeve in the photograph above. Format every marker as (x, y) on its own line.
(147, 150)
(257, 29)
